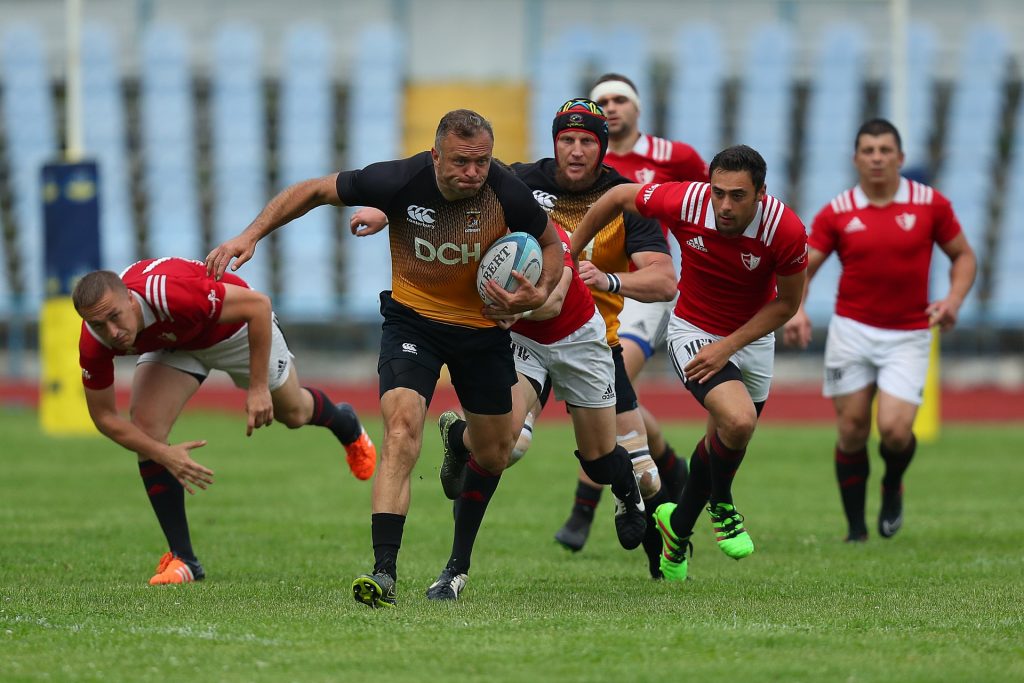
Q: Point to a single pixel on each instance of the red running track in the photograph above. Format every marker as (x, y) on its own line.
(667, 400)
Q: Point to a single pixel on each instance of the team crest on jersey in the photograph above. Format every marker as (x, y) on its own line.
(750, 261)
(545, 199)
(212, 298)
(473, 220)
(906, 221)
(169, 337)
(645, 175)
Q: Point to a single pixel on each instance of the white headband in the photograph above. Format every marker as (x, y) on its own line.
(622, 88)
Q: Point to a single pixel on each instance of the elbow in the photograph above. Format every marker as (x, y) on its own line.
(668, 291)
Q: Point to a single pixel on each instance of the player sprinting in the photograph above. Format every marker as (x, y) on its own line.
(743, 272)
(641, 158)
(183, 324)
(883, 230)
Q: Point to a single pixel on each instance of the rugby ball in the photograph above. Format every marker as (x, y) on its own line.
(518, 251)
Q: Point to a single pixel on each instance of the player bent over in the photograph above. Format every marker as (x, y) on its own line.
(744, 261)
(183, 324)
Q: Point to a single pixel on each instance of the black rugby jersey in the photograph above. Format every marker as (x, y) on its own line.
(437, 244)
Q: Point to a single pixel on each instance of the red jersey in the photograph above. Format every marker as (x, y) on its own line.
(657, 160)
(180, 308)
(886, 252)
(725, 280)
(577, 307)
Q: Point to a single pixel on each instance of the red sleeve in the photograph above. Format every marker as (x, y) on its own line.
(96, 361)
(566, 247)
(689, 164)
(791, 254)
(946, 226)
(199, 300)
(663, 201)
(823, 234)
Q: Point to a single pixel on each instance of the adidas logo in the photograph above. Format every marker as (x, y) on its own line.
(697, 243)
(855, 225)
(608, 393)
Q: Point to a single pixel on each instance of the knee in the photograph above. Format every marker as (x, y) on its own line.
(737, 429)
(292, 417)
(854, 430)
(895, 435)
(402, 437)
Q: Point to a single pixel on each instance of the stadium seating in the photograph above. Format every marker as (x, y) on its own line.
(766, 102)
(238, 132)
(695, 112)
(374, 122)
(559, 68)
(1005, 307)
(920, 103)
(28, 121)
(971, 144)
(626, 50)
(106, 141)
(169, 144)
(305, 131)
(834, 114)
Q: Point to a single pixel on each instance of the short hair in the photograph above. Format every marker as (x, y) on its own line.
(91, 288)
(462, 123)
(877, 127)
(741, 158)
(616, 77)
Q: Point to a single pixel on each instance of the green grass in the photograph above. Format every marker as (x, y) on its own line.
(286, 528)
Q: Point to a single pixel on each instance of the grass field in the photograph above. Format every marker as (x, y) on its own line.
(286, 528)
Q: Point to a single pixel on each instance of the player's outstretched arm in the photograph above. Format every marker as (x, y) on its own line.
(293, 201)
(175, 457)
(613, 202)
(242, 304)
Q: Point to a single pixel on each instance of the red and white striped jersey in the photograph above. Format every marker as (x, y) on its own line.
(657, 160)
(886, 252)
(725, 280)
(180, 309)
(577, 307)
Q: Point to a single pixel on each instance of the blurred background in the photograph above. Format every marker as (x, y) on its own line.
(197, 112)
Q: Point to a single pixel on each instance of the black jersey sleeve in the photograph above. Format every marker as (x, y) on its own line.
(376, 184)
(644, 234)
(522, 212)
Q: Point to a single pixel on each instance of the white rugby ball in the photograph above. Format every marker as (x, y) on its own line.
(518, 251)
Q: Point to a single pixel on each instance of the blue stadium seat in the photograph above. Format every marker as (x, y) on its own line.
(973, 129)
(917, 128)
(305, 117)
(28, 120)
(626, 50)
(821, 296)
(168, 144)
(834, 114)
(106, 140)
(695, 91)
(559, 68)
(1004, 305)
(239, 141)
(766, 101)
(376, 107)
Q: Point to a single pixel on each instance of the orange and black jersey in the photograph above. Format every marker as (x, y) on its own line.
(613, 246)
(437, 244)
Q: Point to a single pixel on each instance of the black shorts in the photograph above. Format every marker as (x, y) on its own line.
(479, 360)
(625, 395)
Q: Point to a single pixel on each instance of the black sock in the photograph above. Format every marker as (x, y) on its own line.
(652, 539)
(695, 493)
(386, 531)
(724, 463)
(852, 471)
(340, 419)
(672, 470)
(167, 496)
(614, 469)
(455, 442)
(470, 507)
(587, 498)
(896, 463)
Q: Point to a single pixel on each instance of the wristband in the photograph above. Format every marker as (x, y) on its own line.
(614, 284)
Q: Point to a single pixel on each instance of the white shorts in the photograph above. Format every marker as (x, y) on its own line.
(230, 356)
(580, 365)
(645, 323)
(756, 360)
(858, 355)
